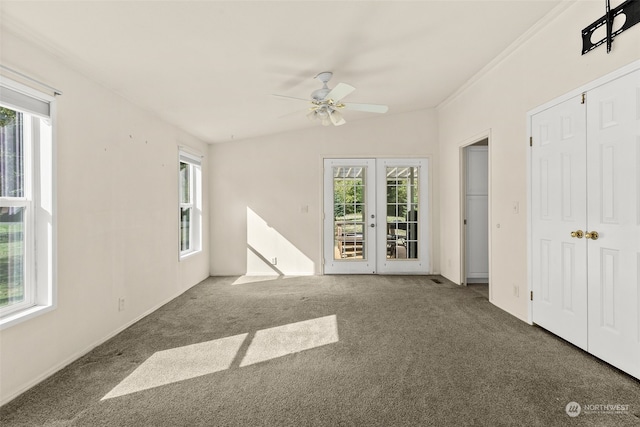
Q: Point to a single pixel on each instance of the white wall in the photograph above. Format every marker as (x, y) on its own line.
(117, 200)
(544, 67)
(277, 177)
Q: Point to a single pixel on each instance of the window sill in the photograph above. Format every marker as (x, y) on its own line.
(23, 315)
(188, 255)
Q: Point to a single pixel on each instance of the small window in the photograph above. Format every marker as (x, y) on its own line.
(26, 203)
(190, 204)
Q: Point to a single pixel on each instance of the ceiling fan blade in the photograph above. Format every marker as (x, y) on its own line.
(336, 118)
(369, 108)
(340, 91)
(289, 97)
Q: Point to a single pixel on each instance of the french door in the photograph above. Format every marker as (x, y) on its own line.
(376, 216)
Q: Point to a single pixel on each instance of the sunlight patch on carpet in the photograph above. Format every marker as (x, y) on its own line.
(243, 280)
(292, 338)
(195, 360)
(181, 363)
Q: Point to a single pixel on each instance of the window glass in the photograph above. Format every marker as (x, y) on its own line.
(27, 227)
(185, 196)
(12, 256)
(185, 229)
(190, 203)
(11, 154)
(12, 247)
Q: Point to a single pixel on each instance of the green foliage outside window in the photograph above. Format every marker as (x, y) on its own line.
(7, 116)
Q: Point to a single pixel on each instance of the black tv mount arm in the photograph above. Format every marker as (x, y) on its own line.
(630, 9)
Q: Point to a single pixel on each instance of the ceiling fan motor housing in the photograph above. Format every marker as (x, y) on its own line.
(321, 94)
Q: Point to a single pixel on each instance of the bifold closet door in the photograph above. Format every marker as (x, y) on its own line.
(613, 133)
(558, 215)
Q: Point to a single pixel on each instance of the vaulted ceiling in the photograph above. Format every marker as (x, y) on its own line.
(211, 67)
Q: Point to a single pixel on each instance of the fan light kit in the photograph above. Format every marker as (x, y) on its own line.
(326, 103)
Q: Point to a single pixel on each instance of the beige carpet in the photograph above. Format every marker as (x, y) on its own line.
(331, 351)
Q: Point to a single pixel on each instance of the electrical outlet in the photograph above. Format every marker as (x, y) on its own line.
(120, 304)
(274, 261)
(516, 291)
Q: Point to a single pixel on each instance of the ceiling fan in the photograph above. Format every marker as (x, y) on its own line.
(326, 103)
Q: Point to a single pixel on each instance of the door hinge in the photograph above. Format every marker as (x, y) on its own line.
(584, 98)
(465, 222)
(531, 296)
(530, 141)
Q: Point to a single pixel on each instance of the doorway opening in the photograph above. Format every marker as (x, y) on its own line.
(474, 227)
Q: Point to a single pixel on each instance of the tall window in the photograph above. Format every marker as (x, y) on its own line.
(26, 203)
(190, 204)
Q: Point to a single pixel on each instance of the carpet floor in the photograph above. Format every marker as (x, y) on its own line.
(331, 351)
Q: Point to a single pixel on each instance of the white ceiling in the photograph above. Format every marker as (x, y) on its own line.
(210, 67)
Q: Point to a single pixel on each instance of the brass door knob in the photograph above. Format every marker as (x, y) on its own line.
(578, 233)
(593, 235)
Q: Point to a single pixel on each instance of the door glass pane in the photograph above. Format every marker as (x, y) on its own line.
(12, 255)
(349, 212)
(11, 154)
(402, 212)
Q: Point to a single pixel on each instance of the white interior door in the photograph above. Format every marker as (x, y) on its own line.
(613, 117)
(558, 215)
(375, 216)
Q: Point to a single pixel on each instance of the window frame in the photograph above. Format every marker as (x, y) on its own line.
(193, 203)
(38, 199)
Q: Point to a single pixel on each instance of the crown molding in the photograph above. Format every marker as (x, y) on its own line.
(545, 21)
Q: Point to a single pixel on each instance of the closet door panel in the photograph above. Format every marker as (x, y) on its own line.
(613, 165)
(558, 209)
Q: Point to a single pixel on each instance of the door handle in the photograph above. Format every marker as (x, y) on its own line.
(578, 233)
(592, 235)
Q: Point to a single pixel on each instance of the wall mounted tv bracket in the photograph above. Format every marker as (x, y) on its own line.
(631, 11)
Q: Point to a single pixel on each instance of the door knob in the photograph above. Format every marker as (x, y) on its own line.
(372, 225)
(593, 235)
(578, 233)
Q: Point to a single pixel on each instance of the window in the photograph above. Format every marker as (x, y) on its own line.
(190, 204)
(26, 203)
